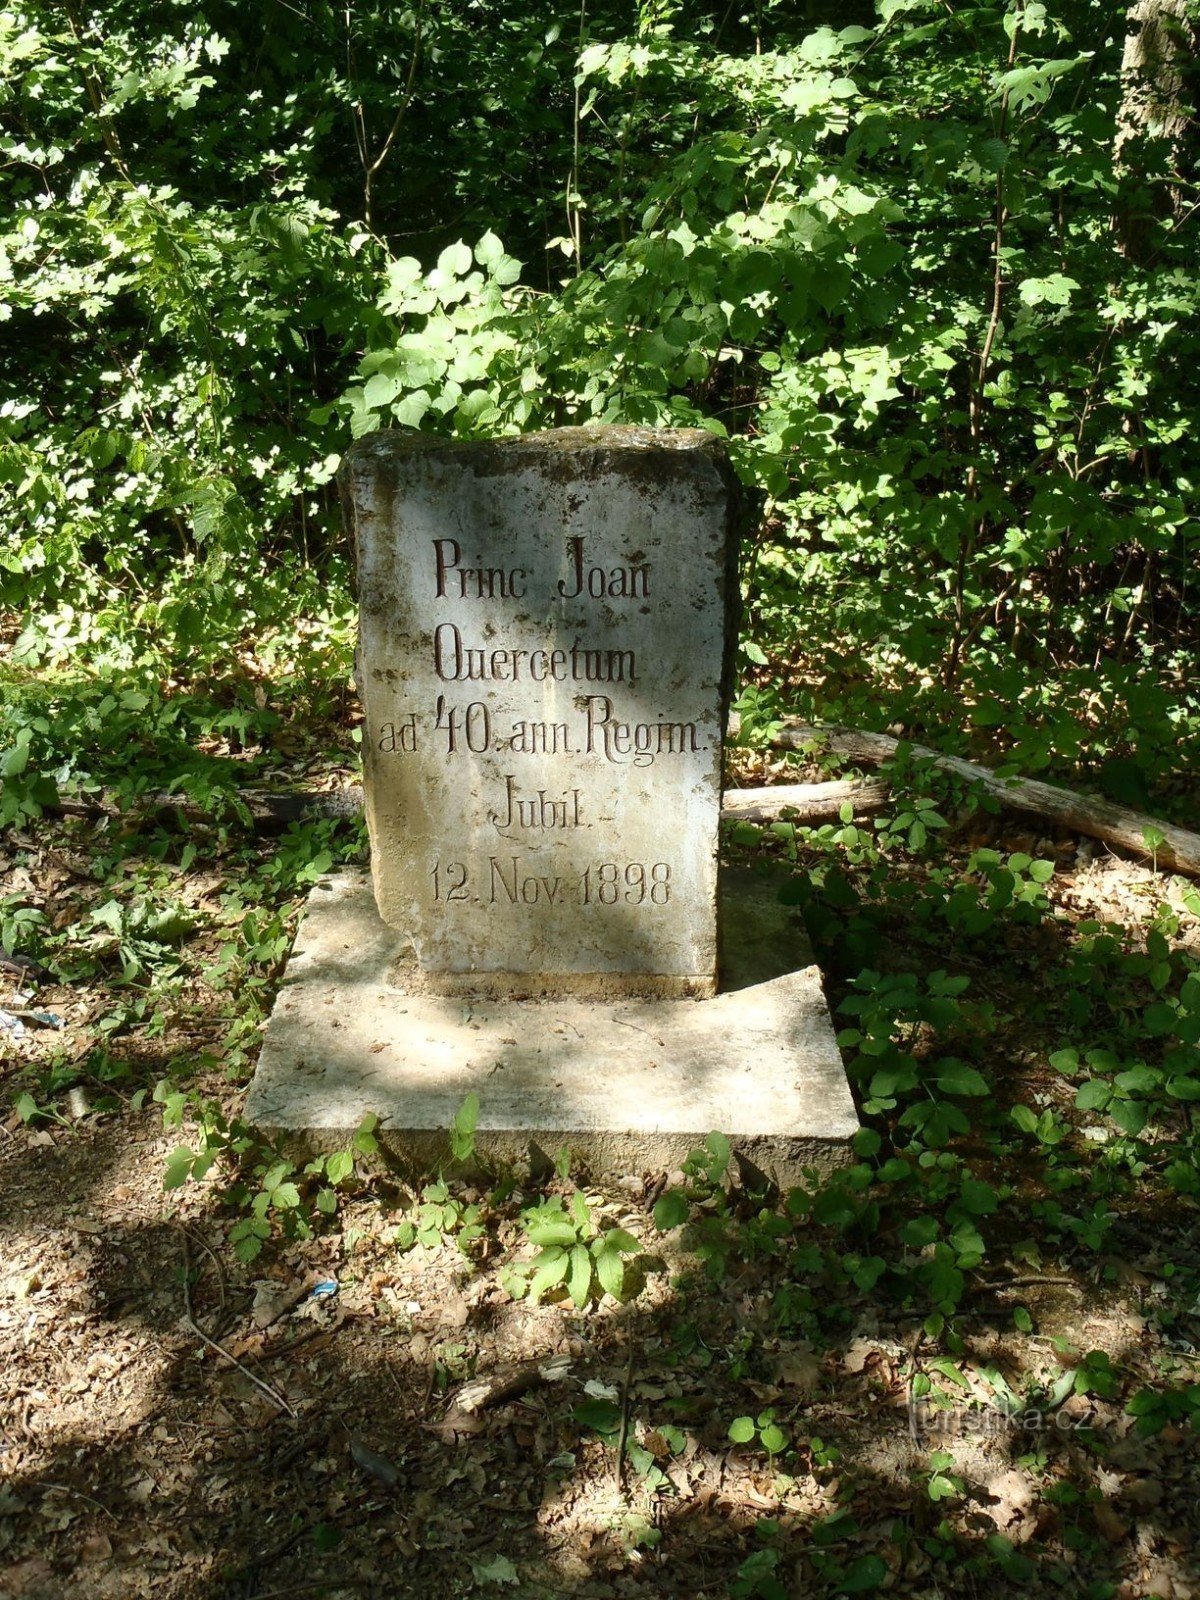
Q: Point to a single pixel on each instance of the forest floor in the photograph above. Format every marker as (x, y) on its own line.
(783, 1401)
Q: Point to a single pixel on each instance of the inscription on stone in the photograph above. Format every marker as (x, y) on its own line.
(544, 627)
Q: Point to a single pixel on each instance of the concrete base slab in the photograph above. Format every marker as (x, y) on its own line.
(627, 1085)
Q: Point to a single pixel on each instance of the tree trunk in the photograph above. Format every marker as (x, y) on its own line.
(1160, 46)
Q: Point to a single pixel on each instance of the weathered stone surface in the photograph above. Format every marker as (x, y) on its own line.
(627, 1084)
(543, 640)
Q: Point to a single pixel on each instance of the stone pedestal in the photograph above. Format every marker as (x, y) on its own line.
(627, 1084)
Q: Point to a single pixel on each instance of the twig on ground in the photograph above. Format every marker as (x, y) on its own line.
(65, 1488)
(1028, 1280)
(323, 1584)
(623, 1433)
(211, 1254)
(508, 1382)
(272, 1395)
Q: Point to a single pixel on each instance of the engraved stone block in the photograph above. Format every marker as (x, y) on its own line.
(544, 637)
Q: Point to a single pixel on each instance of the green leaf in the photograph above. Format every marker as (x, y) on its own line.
(462, 1129)
(863, 1575)
(1022, 1320)
(1055, 290)
(602, 1415)
(610, 1270)
(622, 1240)
(720, 1150)
(920, 1231)
(867, 1143)
(489, 250)
(956, 1077)
(671, 1210)
(1093, 1095)
(547, 1232)
(742, 1430)
(499, 1569)
(455, 260)
(275, 1174)
(380, 390)
(1139, 1079)
(339, 1166)
(550, 1269)
(979, 1198)
(580, 1282)
(1159, 1019)
(1130, 1116)
(178, 1168)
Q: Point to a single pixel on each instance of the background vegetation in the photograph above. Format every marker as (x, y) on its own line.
(928, 266)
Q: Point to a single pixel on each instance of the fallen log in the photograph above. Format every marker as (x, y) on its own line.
(807, 802)
(1115, 825)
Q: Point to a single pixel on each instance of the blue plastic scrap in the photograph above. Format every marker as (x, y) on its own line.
(325, 1291)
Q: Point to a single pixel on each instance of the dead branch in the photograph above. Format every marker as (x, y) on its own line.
(808, 802)
(1098, 819)
(508, 1382)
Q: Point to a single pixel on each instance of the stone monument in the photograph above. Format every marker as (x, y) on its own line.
(546, 628)
(543, 638)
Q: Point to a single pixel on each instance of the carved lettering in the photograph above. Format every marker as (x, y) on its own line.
(539, 739)
(635, 743)
(398, 736)
(615, 583)
(456, 582)
(538, 810)
(456, 661)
